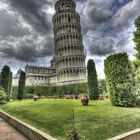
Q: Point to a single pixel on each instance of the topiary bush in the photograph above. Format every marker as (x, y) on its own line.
(2, 95)
(119, 80)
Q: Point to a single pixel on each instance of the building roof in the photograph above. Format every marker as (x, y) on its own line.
(40, 67)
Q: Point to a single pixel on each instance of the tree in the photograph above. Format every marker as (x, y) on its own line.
(5, 80)
(137, 54)
(92, 81)
(10, 84)
(119, 80)
(137, 38)
(21, 85)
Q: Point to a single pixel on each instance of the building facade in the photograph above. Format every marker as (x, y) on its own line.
(68, 63)
(69, 49)
(16, 77)
(38, 75)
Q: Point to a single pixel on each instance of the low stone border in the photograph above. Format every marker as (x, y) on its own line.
(132, 135)
(25, 129)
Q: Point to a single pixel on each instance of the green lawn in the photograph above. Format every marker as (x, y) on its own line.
(99, 121)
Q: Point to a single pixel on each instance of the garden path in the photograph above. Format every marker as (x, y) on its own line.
(7, 132)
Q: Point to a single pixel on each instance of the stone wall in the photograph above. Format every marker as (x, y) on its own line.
(132, 135)
(27, 130)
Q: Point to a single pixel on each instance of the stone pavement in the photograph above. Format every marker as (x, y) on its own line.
(7, 132)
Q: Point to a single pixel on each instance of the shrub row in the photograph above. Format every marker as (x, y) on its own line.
(59, 91)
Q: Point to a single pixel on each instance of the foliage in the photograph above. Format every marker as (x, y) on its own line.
(59, 91)
(21, 86)
(6, 78)
(119, 80)
(137, 38)
(2, 95)
(136, 75)
(73, 135)
(138, 101)
(137, 54)
(28, 96)
(102, 86)
(38, 90)
(92, 81)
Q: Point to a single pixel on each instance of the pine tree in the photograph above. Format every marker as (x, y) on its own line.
(21, 86)
(92, 81)
(5, 80)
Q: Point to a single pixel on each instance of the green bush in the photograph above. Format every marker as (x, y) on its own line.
(119, 80)
(2, 95)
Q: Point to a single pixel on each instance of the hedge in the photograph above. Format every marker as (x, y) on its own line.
(119, 80)
(73, 89)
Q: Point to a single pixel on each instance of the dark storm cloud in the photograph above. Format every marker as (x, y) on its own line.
(32, 12)
(27, 38)
(107, 27)
(26, 49)
(109, 24)
(98, 13)
(102, 49)
(9, 26)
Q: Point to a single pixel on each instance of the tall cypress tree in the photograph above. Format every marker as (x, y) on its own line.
(5, 80)
(137, 54)
(137, 38)
(21, 85)
(10, 84)
(92, 80)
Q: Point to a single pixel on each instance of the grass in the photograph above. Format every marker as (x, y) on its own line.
(98, 121)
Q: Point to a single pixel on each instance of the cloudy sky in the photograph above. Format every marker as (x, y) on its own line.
(26, 30)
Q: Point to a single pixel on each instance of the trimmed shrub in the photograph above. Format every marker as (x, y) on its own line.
(119, 80)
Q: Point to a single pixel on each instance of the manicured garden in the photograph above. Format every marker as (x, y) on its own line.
(100, 120)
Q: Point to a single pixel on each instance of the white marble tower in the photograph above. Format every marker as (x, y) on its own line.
(69, 50)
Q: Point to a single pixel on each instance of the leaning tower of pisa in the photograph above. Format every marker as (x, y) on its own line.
(69, 49)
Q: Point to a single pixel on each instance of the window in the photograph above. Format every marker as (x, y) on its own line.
(69, 19)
